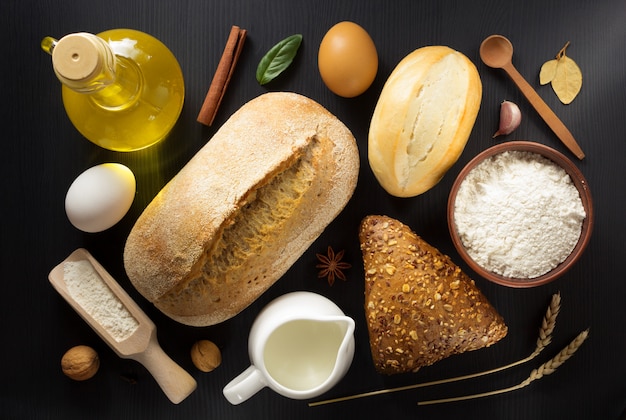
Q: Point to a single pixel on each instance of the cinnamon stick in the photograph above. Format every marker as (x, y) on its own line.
(223, 74)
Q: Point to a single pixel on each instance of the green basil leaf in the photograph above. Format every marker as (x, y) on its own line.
(277, 59)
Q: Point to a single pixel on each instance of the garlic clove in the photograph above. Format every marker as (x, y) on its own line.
(510, 118)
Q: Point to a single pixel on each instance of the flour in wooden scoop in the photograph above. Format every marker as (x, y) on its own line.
(88, 289)
(518, 214)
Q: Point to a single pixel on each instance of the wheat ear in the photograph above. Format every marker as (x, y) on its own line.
(545, 369)
(548, 324)
(545, 337)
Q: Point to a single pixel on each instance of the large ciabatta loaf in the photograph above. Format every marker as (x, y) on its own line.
(420, 307)
(423, 119)
(243, 209)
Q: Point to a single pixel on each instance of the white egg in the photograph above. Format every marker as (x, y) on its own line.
(100, 197)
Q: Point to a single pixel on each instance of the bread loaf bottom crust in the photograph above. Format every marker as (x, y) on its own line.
(420, 306)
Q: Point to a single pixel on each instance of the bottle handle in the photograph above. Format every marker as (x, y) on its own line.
(48, 44)
(244, 386)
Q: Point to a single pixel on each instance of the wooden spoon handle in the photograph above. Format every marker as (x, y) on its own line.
(175, 382)
(544, 111)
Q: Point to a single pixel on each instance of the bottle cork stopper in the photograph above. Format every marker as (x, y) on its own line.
(77, 57)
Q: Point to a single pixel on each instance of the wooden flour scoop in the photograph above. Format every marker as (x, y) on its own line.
(138, 341)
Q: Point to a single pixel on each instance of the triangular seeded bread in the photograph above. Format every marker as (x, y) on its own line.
(420, 307)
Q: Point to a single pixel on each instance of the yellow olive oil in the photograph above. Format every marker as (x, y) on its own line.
(137, 104)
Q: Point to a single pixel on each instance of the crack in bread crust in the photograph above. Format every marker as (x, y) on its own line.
(260, 219)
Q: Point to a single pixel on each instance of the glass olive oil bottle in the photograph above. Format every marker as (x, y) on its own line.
(122, 89)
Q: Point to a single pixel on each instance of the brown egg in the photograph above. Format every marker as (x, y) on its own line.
(347, 59)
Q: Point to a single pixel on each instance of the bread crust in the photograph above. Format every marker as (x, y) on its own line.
(168, 252)
(420, 307)
(423, 119)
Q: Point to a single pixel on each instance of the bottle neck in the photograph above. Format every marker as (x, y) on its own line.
(125, 89)
(86, 64)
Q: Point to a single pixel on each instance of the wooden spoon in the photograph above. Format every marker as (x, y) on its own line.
(142, 344)
(496, 51)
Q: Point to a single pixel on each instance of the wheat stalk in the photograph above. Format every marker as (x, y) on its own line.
(545, 369)
(544, 339)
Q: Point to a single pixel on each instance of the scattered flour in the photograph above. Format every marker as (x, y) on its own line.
(518, 214)
(91, 292)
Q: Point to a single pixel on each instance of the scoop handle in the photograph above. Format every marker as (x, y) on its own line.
(544, 111)
(175, 382)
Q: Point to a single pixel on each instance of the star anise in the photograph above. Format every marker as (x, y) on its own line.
(331, 265)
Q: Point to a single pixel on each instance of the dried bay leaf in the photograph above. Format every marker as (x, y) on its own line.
(564, 75)
(548, 71)
(568, 80)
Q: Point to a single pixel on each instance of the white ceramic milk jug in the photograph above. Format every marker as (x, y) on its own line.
(301, 344)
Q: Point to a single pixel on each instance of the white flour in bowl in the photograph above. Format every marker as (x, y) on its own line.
(91, 292)
(518, 214)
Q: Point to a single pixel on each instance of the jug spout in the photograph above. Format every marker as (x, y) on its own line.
(347, 323)
(343, 326)
(345, 351)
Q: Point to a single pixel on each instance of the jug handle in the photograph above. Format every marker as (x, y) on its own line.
(245, 385)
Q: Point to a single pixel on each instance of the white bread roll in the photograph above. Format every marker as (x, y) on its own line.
(243, 209)
(423, 119)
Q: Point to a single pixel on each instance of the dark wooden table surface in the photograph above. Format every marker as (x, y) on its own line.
(42, 153)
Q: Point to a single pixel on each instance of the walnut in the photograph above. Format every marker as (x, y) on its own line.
(205, 355)
(80, 363)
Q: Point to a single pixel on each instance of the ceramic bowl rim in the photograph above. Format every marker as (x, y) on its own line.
(581, 185)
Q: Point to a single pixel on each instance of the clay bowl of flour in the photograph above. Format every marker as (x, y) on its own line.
(520, 214)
